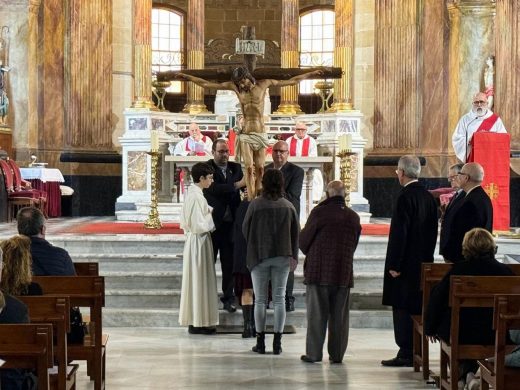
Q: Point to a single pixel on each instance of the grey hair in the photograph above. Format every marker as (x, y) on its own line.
(410, 165)
(457, 167)
(475, 172)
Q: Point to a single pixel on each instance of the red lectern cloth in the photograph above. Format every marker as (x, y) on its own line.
(492, 150)
(53, 207)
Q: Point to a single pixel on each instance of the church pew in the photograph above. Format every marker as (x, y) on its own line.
(87, 269)
(84, 291)
(28, 346)
(506, 316)
(431, 274)
(55, 311)
(475, 292)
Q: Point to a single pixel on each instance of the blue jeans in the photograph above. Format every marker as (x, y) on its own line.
(275, 269)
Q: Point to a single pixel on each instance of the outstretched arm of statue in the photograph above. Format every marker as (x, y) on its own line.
(205, 83)
(296, 79)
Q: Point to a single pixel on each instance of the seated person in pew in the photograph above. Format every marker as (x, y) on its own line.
(47, 259)
(513, 359)
(478, 248)
(17, 267)
(12, 311)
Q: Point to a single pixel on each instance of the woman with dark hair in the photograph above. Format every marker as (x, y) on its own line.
(199, 298)
(271, 231)
(475, 324)
(17, 268)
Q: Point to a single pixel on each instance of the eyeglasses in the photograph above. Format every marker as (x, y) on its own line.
(451, 178)
(279, 151)
(479, 102)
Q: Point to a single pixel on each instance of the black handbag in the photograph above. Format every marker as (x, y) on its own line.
(78, 329)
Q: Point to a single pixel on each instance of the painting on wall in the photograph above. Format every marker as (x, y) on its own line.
(136, 123)
(157, 124)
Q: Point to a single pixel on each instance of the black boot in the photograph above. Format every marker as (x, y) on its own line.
(277, 344)
(260, 343)
(249, 331)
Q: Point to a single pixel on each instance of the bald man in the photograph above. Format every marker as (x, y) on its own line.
(474, 211)
(195, 144)
(480, 118)
(328, 273)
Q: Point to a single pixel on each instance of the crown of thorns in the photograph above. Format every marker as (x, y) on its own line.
(241, 73)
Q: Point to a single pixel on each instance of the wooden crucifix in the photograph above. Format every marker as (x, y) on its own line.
(250, 85)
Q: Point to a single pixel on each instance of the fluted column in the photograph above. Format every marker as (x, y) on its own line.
(195, 51)
(143, 54)
(471, 42)
(289, 55)
(397, 101)
(343, 55)
(507, 84)
(32, 74)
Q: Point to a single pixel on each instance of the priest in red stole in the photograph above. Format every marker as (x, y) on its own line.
(302, 145)
(480, 118)
(194, 145)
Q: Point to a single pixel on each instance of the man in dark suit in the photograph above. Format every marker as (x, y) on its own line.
(293, 183)
(223, 195)
(329, 240)
(450, 209)
(412, 239)
(475, 210)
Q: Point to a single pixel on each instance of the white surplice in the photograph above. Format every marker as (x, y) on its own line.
(199, 297)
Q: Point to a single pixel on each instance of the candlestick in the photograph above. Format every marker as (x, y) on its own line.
(153, 221)
(346, 171)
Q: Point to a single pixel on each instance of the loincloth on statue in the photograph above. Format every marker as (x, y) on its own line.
(256, 141)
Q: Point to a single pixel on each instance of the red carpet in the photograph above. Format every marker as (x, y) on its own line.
(173, 228)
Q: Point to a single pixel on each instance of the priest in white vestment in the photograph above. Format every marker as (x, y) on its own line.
(194, 145)
(480, 118)
(302, 145)
(199, 297)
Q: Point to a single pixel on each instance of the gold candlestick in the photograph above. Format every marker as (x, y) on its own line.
(153, 221)
(345, 171)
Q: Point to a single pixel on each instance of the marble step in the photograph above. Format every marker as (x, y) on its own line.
(170, 299)
(169, 318)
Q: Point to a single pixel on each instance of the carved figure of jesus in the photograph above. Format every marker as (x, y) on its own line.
(252, 140)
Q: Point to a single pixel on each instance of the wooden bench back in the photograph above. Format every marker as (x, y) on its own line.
(87, 269)
(55, 311)
(28, 346)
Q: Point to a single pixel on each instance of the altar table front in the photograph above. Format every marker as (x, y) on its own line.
(48, 180)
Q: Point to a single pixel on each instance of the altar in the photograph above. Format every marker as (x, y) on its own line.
(48, 180)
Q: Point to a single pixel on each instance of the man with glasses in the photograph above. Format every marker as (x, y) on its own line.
(293, 183)
(449, 210)
(224, 196)
(480, 118)
(474, 211)
(412, 239)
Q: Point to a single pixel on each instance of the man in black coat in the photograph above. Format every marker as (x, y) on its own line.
(413, 235)
(223, 195)
(293, 183)
(474, 211)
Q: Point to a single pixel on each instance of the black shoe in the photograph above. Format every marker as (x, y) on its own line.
(397, 362)
(208, 330)
(260, 343)
(335, 361)
(289, 304)
(277, 343)
(306, 359)
(229, 307)
(194, 329)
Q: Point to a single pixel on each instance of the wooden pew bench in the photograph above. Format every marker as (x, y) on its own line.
(86, 269)
(506, 316)
(28, 346)
(85, 292)
(55, 311)
(470, 292)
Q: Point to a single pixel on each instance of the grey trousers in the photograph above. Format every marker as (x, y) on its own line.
(327, 305)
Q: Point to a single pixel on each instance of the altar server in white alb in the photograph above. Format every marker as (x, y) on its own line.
(199, 297)
(196, 144)
(480, 118)
(303, 145)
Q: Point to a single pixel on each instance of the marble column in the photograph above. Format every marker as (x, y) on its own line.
(32, 74)
(195, 51)
(289, 55)
(143, 54)
(507, 70)
(343, 55)
(397, 99)
(471, 42)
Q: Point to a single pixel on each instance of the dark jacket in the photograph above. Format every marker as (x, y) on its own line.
(271, 229)
(447, 219)
(49, 260)
(412, 239)
(14, 311)
(222, 193)
(328, 240)
(474, 211)
(239, 241)
(476, 325)
(293, 183)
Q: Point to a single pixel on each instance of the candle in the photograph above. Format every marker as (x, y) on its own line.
(348, 141)
(341, 142)
(154, 140)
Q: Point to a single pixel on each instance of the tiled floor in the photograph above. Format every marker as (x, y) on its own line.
(156, 358)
